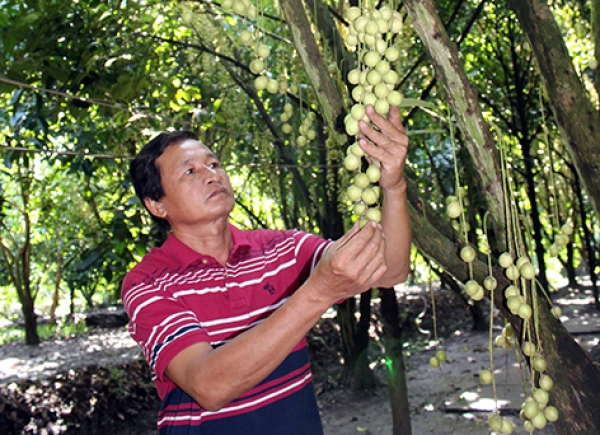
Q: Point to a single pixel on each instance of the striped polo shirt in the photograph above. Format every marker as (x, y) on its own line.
(176, 297)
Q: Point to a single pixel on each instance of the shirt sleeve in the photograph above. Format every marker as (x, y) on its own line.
(160, 325)
(309, 250)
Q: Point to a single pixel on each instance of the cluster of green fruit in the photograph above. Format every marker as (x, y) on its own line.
(362, 191)
(440, 357)
(535, 411)
(374, 82)
(506, 339)
(515, 301)
(257, 66)
(243, 8)
(561, 240)
(266, 81)
(306, 132)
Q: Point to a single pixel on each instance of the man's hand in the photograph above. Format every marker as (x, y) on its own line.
(351, 265)
(387, 147)
(386, 143)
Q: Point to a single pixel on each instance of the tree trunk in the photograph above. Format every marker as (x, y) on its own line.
(57, 280)
(590, 255)
(570, 266)
(576, 378)
(24, 263)
(31, 334)
(71, 299)
(596, 40)
(465, 104)
(577, 118)
(355, 342)
(395, 371)
(317, 71)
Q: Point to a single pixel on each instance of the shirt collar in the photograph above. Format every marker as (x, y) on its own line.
(183, 255)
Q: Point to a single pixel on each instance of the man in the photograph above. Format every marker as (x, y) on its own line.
(221, 314)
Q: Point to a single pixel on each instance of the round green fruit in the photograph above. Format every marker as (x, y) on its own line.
(471, 287)
(495, 422)
(507, 427)
(369, 196)
(551, 413)
(505, 260)
(353, 192)
(486, 377)
(467, 254)
(525, 311)
(373, 173)
(187, 17)
(528, 349)
(434, 363)
(539, 421)
(546, 382)
(374, 214)
(352, 162)
(490, 283)
(453, 210)
(361, 180)
(441, 356)
(539, 363)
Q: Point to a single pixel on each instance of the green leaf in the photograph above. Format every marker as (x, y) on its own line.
(30, 18)
(89, 261)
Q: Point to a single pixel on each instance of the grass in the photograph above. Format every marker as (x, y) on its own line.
(46, 331)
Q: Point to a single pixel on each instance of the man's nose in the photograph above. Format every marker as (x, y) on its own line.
(212, 174)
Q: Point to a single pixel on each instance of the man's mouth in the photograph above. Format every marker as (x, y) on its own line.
(217, 191)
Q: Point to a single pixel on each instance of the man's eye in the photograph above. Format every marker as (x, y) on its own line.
(215, 165)
(189, 171)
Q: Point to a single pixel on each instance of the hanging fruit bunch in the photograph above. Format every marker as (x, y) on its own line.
(520, 297)
(370, 33)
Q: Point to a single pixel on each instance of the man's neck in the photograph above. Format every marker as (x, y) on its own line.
(215, 240)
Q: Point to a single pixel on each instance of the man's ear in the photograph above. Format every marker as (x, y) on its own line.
(155, 208)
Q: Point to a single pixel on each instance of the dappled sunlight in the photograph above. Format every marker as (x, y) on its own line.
(476, 402)
(578, 313)
(19, 361)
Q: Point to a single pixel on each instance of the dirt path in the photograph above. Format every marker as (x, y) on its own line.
(432, 394)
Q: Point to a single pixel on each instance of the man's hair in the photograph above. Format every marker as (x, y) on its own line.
(146, 175)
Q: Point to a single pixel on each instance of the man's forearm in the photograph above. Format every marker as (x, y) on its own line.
(395, 221)
(227, 372)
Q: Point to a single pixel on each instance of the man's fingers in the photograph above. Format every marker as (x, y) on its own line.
(370, 260)
(394, 117)
(390, 129)
(368, 132)
(342, 241)
(356, 240)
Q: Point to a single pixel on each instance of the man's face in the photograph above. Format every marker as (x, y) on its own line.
(197, 189)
